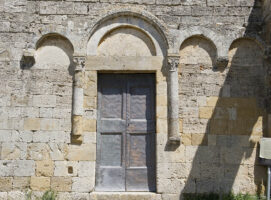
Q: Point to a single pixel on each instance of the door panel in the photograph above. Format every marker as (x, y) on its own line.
(126, 133)
(111, 149)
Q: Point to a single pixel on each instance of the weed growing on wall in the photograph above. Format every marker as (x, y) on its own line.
(48, 195)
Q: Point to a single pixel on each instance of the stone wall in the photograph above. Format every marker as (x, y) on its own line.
(222, 105)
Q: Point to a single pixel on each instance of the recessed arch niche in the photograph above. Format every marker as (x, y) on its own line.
(54, 51)
(126, 41)
(198, 50)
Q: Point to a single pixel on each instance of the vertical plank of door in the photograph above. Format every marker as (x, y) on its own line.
(140, 151)
(110, 169)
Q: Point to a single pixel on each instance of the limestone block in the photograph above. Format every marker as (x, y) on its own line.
(199, 139)
(15, 195)
(49, 124)
(7, 168)
(83, 184)
(44, 168)
(24, 168)
(3, 195)
(66, 168)
(22, 136)
(194, 125)
(38, 151)
(18, 100)
(61, 184)
(32, 124)
(161, 88)
(60, 113)
(89, 125)
(84, 152)
(212, 101)
(136, 196)
(12, 151)
(77, 125)
(5, 135)
(21, 183)
(86, 169)
(30, 112)
(189, 112)
(58, 151)
(171, 156)
(161, 100)
(40, 183)
(44, 100)
(161, 112)
(51, 136)
(161, 126)
(186, 139)
(5, 184)
(171, 186)
(73, 195)
(65, 125)
(206, 112)
(171, 197)
(46, 112)
(41, 136)
(89, 137)
(90, 103)
(190, 153)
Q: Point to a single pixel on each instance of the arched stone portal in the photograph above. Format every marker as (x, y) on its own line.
(128, 44)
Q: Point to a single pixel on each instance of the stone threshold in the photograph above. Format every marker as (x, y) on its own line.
(125, 196)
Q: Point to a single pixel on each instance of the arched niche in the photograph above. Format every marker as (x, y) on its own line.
(131, 26)
(246, 51)
(246, 76)
(126, 41)
(198, 50)
(54, 51)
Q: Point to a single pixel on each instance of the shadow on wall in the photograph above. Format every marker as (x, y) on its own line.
(221, 135)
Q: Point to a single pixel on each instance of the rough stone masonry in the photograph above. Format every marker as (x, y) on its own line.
(211, 60)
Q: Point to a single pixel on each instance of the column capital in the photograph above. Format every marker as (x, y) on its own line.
(173, 63)
(79, 62)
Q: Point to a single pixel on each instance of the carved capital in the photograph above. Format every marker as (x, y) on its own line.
(79, 62)
(173, 63)
(221, 62)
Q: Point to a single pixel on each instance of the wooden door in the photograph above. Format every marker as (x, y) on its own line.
(126, 133)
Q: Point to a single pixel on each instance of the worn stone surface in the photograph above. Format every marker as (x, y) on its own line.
(21, 183)
(44, 168)
(40, 183)
(61, 184)
(5, 184)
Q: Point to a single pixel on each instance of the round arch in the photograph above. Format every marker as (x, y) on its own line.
(128, 18)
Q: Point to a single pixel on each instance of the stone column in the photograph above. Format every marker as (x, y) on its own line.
(173, 100)
(78, 96)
